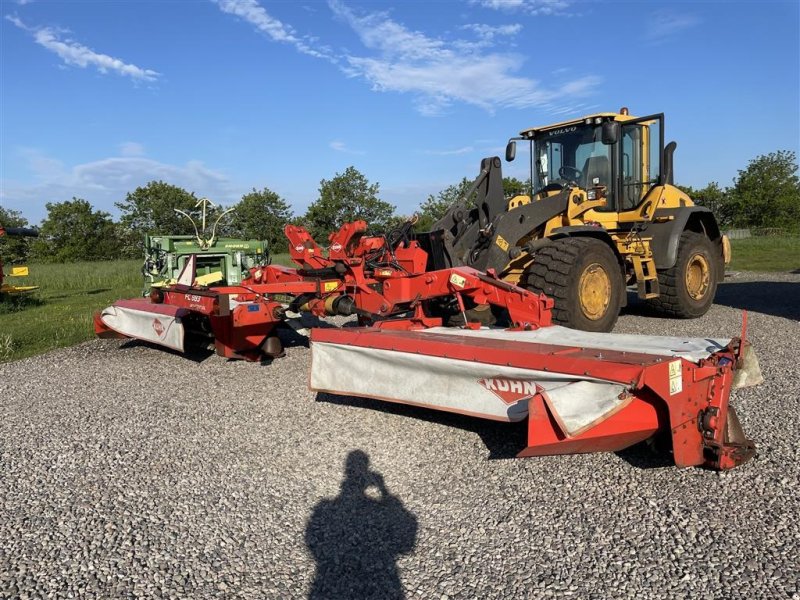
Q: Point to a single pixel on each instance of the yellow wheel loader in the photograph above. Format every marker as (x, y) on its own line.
(601, 214)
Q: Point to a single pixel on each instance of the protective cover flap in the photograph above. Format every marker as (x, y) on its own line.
(492, 391)
(488, 391)
(157, 327)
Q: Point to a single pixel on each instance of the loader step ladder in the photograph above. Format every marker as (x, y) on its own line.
(646, 277)
(644, 266)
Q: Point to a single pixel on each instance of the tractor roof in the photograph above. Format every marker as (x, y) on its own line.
(579, 121)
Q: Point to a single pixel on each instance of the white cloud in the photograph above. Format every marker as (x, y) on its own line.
(664, 24)
(73, 53)
(487, 33)
(255, 14)
(531, 7)
(455, 152)
(342, 147)
(498, 4)
(131, 149)
(105, 181)
(438, 73)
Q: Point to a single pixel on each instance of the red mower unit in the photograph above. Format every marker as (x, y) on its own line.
(580, 391)
(385, 284)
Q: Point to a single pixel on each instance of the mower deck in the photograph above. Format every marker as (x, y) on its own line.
(577, 398)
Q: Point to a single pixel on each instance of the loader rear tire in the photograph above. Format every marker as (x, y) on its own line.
(584, 279)
(687, 289)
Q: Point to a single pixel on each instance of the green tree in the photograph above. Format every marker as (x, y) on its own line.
(715, 198)
(73, 231)
(261, 215)
(346, 197)
(13, 249)
(514, 187)
(766, 193)
(150, 210)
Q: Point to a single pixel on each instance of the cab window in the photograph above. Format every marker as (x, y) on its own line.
(640, 162)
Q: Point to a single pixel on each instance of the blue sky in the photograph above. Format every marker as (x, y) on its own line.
(219, 97)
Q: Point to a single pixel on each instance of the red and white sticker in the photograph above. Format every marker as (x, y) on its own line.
(337, 247)
(510, 391)
(158, 327)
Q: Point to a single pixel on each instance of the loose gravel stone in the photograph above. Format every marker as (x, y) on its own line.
(128, 471)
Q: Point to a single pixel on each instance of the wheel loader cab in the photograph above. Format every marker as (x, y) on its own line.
(641, 160)
(613, 155)
(571, 156)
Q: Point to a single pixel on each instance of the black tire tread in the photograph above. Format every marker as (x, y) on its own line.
(669, 302)
(552, 274)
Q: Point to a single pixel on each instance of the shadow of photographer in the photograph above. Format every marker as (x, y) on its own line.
(357, 537)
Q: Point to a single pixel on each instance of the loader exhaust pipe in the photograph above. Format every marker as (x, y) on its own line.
(669, 150)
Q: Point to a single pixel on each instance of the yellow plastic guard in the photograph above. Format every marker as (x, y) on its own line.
(18, 272)
(160, 284)
(17, 289)
(209, 279)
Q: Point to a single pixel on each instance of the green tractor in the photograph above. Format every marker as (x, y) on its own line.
(220, 261)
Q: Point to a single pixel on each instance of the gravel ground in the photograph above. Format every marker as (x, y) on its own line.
(129, 471)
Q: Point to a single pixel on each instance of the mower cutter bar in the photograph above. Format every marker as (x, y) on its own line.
(576, 398)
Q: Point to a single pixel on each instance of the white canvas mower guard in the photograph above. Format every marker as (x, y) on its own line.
(580, 391)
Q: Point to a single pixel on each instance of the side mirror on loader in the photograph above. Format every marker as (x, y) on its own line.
(511, 151)
(610, 133)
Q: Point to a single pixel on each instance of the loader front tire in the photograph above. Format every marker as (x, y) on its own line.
(687, 289)
(584, 279)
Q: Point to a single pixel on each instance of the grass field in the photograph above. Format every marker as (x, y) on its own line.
(766, 254)
(60, 312)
